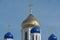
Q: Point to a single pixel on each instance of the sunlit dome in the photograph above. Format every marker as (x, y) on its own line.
(30, 21)
(35, 29)
(52, 37)
(8, 35)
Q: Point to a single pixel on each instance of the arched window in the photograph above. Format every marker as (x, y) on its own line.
(36, 37)
(33, 37)
(26, 36)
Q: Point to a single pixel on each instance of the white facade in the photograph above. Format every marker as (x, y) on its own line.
(8, 39)
(35, 36)
(27, 35)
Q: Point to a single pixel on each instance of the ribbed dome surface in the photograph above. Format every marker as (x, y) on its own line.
(8, 35)
(52, 37)
(35, 29)
(30, 22)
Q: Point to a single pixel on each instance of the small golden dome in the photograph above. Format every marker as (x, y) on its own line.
(30, 22)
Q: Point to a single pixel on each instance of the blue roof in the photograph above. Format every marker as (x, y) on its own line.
(52, 37)
(35, 29)
(8, 35)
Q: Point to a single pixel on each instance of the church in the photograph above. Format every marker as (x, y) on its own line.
(30, 29)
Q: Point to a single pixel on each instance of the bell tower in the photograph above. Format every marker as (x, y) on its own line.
(28, 24)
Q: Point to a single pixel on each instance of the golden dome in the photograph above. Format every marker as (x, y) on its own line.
(30, 22)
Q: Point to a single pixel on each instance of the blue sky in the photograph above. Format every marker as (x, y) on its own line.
(13, 12)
